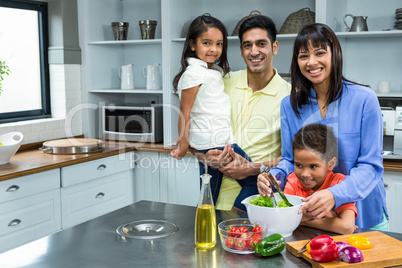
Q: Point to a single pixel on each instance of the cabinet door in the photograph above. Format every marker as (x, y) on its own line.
(146, 176)
(393, 187)
(85, 201)
(26, 219)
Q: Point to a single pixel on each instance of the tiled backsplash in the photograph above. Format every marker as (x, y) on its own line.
(65, 93)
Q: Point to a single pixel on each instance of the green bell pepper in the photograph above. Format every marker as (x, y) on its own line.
(271, 245)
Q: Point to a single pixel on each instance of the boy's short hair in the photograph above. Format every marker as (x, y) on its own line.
(318, 138)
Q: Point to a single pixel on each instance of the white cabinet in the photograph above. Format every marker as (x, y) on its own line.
(97, 187)
(160, 177)
(369, 57)
(29, 208)
(393, 187)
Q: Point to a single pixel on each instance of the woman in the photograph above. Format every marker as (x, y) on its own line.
(320, 94)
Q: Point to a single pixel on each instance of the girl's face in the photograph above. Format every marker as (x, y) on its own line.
(208, 46)
(310, 169)
(315, 65)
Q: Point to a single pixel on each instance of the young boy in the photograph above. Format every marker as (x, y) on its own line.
(314, 151)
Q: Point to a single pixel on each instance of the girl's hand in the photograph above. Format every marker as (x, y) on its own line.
(178, 154)
(319, 203)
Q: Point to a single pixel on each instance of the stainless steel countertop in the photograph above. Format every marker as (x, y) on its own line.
(96, 244)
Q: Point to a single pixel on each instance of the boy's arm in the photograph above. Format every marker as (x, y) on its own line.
(186, 103)
(343, 223)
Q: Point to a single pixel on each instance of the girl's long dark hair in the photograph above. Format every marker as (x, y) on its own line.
(320, 35)
(197, 27)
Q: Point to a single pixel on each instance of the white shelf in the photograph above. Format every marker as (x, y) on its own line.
(127, 42)
(127, 91)
(389, 95)
(391, 33)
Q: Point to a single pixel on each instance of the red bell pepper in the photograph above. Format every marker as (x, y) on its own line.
(323, 248)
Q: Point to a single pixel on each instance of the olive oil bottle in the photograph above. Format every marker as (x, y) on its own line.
(205, 218)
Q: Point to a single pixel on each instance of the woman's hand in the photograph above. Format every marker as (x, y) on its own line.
(263, 185)
(319, 204)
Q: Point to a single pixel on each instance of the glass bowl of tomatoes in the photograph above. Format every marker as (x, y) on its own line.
(240, 235)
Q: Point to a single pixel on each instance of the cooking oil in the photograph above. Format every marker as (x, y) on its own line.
(205, 226)
(205, 218)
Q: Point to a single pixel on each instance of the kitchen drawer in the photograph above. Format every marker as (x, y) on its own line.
(29, 218)
(29, 185)
(95, 169)
(88, 200)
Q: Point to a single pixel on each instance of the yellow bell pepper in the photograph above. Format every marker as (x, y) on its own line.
(360, 242)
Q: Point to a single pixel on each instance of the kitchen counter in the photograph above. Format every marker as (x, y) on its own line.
(96, 244)
(32, 160)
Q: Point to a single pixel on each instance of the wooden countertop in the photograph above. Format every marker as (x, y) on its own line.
(32, 160)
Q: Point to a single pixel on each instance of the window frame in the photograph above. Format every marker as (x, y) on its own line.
(45, 111)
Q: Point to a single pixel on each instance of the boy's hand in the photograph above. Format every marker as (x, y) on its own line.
(263, 185)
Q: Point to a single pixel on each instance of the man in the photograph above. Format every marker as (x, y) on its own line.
(256, 94)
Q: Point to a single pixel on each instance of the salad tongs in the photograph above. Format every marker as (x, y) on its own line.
(272, 181)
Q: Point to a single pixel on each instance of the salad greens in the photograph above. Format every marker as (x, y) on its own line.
(265, 201)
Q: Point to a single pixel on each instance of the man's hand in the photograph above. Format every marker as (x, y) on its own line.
(217, 158)
(239, 168)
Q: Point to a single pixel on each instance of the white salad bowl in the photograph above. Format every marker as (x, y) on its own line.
(279, 220)
(11, 142)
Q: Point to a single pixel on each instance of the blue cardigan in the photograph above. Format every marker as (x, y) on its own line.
(357, 122)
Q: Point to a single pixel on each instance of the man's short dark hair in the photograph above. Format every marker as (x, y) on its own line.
(259, 21)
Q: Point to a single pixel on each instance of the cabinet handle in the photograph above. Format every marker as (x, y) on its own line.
(14, 222)
(100, 195)
(101, 167)
(385, 185)
(12, 188)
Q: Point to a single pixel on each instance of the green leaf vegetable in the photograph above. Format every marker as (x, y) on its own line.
(265, 201)
(4, 69)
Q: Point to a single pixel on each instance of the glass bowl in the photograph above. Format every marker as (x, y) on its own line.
(238, 243)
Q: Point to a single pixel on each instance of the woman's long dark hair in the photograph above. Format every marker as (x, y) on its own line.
(316, 35)
(197, 27)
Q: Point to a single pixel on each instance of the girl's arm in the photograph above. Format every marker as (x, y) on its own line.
(186, 103)
(344, 223)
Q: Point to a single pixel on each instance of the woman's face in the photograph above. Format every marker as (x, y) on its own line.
(315, 65)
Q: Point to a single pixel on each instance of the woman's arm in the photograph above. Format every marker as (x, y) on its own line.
(186, 103)
(344, 223)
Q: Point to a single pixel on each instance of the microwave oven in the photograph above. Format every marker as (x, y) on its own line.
(140, 123)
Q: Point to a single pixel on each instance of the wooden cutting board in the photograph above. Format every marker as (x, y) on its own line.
(387, 251)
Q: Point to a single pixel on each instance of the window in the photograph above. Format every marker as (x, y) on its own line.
(24, 49)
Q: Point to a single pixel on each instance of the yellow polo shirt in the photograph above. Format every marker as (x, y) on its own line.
(255, 119)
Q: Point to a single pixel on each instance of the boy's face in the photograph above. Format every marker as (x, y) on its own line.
(310, 169)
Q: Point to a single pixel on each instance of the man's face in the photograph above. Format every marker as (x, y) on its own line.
(257, 50)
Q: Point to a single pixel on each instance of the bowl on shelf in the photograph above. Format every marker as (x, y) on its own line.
(240, 243)
(9, 145)
(281, 220)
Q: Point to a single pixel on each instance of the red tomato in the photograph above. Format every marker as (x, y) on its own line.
(234, 231)
(230, 242)
(253, 241)
(257, 230)
(240, 243)
(243, 229)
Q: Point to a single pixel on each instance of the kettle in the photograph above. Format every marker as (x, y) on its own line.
(359, 23)
(127, 76)
(151, 73)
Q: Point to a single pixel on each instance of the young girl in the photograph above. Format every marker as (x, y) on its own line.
(204, 122)
(321, 94)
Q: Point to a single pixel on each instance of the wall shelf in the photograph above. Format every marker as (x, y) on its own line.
(127, 42)
(127, 91)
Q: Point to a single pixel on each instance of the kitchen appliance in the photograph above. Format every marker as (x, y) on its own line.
(151, 73)
(359, 23)
(398, 130)
(147, 28)
(120, 30)
(72, 146)
(388, 119)
(127, 76)
(133, 122)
